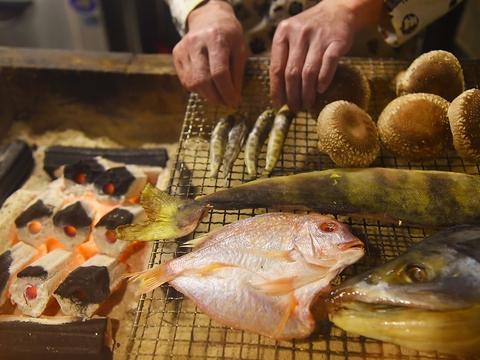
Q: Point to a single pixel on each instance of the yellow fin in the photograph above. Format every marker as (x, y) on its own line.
(158, 204)
(158, 230)
(150, 279)
(289, 310)
(276, 287)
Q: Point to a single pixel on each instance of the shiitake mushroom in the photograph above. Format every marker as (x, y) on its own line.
(349, 84)
(464, 118)
(436, 72)
(415, 126)
(347, 134)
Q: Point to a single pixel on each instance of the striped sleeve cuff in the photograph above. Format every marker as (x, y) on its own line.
(408, 17)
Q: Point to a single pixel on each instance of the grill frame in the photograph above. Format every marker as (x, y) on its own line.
(167, 325)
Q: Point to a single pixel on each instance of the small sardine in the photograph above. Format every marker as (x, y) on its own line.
(261, 274)
(218, 142)
(256, 138)
(427, 299)
(236, 138)
(277, 137)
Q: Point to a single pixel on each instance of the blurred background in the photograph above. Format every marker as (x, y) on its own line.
(145, 26)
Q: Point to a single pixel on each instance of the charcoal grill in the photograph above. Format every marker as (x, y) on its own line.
(168, 325)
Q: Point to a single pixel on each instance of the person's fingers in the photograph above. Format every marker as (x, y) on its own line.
(238, 59)
(278, 62)
(293, 71)
(329, 64)
(310, 72)
(181, 61)
(200, 77)
(219, 59)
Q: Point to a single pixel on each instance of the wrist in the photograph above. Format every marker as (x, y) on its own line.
(218, 6)
(364, 13)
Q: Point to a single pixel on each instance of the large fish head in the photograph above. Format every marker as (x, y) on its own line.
(440, 273)
(426, 299)
(324, 241)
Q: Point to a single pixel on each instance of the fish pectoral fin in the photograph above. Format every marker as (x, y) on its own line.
(289, 310)
(276, 287)
(207, 269)
(272, 254)
(150, 279)
(158, 230)
(195, 242)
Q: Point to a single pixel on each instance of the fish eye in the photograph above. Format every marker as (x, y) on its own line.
(416, 273)
(328, 227)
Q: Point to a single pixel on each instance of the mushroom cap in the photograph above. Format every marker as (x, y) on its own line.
(347, 134)
(415, 126)
(349, 84)
(464, 117)
(436, 72)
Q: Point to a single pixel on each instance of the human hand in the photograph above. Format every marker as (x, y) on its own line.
(306, 48)
(210, 59)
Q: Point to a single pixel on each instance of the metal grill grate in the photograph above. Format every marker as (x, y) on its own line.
(167, 325)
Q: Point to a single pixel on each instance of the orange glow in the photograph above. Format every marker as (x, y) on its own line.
(53, 243)
(88, 249)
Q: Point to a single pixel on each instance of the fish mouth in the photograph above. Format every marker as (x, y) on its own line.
(383, 296)
(353, 244)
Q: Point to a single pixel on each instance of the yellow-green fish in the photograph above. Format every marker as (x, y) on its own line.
(428, 198)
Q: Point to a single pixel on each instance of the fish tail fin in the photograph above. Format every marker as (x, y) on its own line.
(150, 279)
(167, 217)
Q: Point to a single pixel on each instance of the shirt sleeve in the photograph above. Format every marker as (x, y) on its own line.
(180, 9)
(406, 18)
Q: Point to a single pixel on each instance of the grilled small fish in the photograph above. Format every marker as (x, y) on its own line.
(428, 198)
(277, 137)
(427, 299)
(256, 138)
(218, 142)
(261, 274)
(236, 138)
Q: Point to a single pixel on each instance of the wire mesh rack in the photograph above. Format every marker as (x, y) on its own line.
(168, 325)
